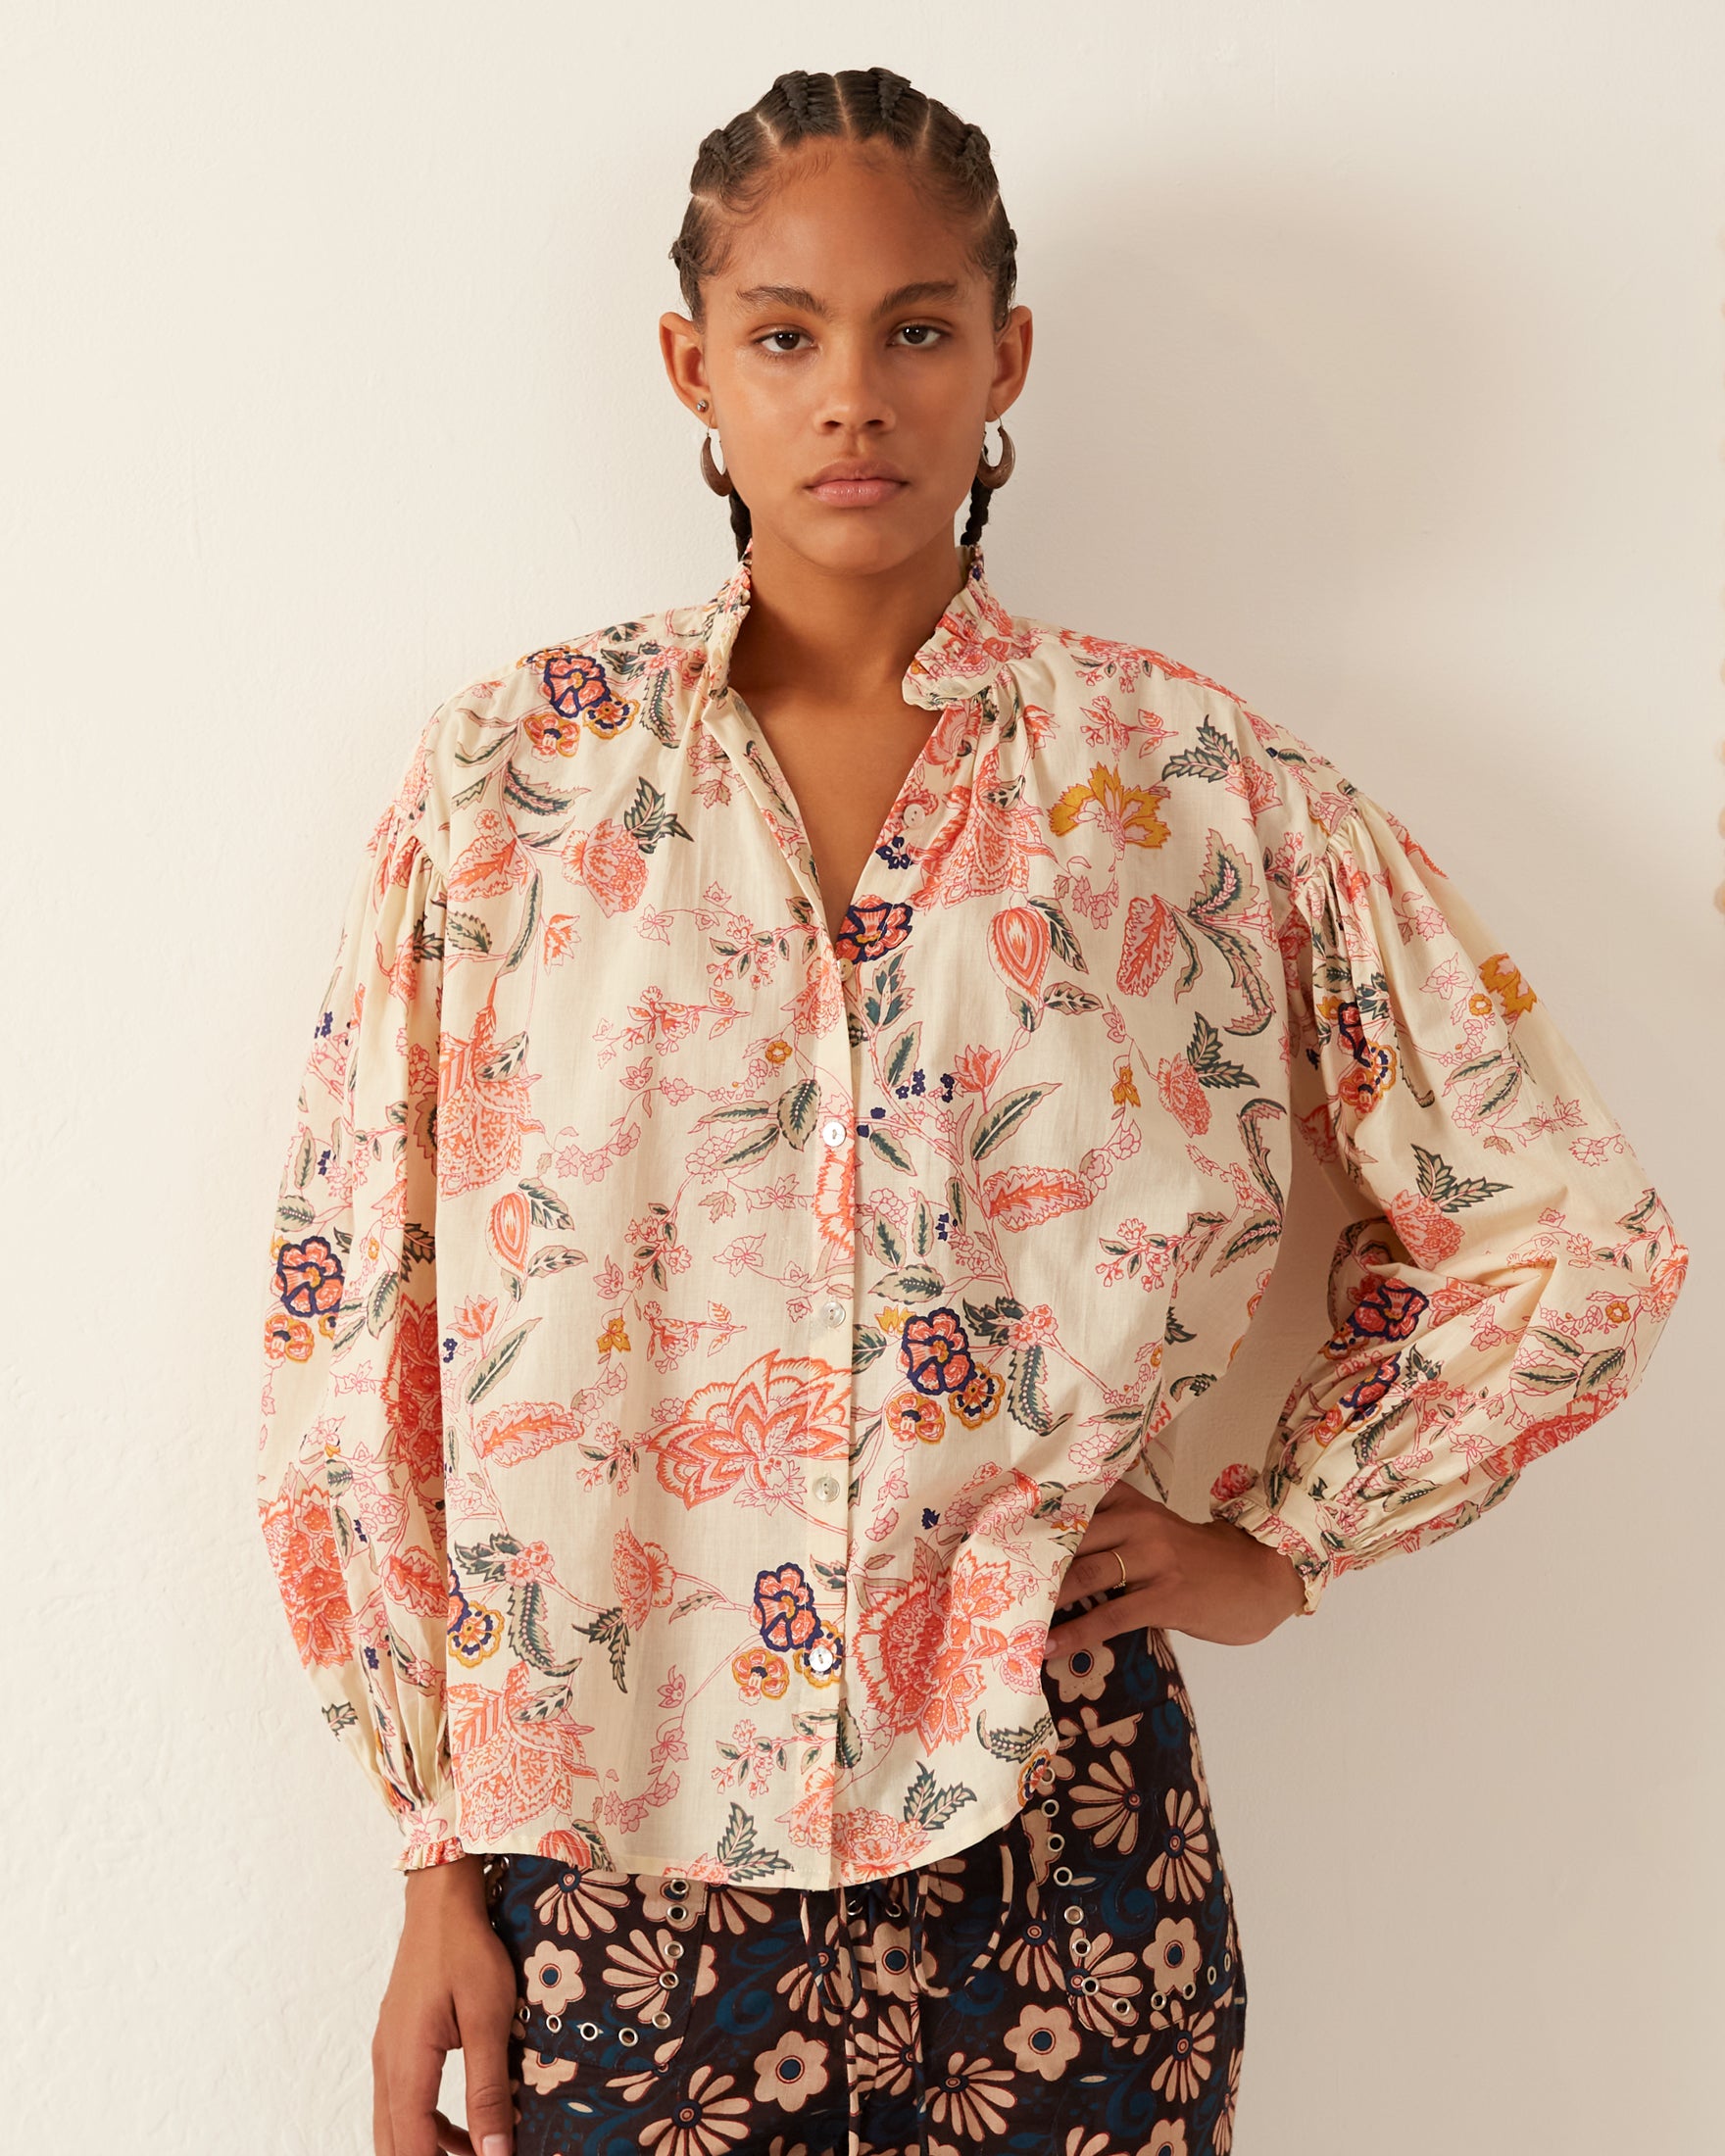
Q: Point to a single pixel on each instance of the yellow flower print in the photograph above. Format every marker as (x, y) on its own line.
(1503, 978)
(1617, 1312)
(476, 1631)
(1125, 1091)
(759, 1673)
(287, 1338)
(978, 1400)
(615, 1336)
(892, 1319)
(1480, 1005)
(1127, 814)
(911, 1415)
(778, 1052)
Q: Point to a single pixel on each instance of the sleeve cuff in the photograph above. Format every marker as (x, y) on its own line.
(1247, 1510)
(429, 1838)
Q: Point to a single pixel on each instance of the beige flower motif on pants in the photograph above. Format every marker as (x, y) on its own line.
(1172, 1957)
(554, 1978)
(1181, 1867)
(1043, 2040)
(792, 2071)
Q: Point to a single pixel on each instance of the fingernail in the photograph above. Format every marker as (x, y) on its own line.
(494, 2144)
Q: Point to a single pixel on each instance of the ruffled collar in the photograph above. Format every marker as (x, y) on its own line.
(963, 653)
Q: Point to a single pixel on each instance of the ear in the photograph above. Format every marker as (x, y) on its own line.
(685, 360)
(1011, 360)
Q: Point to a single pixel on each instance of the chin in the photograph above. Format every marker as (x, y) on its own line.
(861, 541)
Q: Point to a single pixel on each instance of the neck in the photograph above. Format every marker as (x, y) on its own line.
(838, 636)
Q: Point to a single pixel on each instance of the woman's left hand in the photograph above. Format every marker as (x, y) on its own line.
(1209, 1579)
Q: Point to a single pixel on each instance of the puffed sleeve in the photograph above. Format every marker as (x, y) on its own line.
(1507, 1267)
(349, 1462)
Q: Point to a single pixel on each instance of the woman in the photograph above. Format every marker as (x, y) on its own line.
(723, 1307)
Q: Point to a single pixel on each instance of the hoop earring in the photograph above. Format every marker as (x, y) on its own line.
(1001, 471)
(718, 481)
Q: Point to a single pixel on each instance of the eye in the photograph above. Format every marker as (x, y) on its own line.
(768, 344)
(927, 332)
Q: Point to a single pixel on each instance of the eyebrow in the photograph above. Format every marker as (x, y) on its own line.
(797, 295)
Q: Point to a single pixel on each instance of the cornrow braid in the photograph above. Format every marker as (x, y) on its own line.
(734, 168)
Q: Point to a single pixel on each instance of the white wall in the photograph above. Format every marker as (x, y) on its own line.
(1377, 373)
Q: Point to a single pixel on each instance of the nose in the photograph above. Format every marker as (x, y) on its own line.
(853, 390)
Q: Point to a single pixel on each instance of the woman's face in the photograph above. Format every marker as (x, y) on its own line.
(848, 326)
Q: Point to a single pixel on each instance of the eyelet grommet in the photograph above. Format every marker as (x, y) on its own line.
(662, 2021)
(554, 2022)
(667, 1978)
(1122, 2006)
(674, 1948)
(1080, 1944)
(1050, 1804)
(1189, 1990)
(1072, 1913)
(1056, 1841)
(1158, 2000)
(1209, 1975)
(628, 2036)
(1062, 1874)
(675, 1889)
(1087, 1983)
(589, 2030)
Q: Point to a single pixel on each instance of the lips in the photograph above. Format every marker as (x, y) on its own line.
(858, 469)
(855, 486)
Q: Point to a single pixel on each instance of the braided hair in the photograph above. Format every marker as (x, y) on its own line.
(733, 172)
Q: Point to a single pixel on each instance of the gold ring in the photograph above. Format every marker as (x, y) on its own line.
(1120, 1561)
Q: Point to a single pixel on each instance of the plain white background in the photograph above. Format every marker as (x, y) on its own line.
(1377, 373)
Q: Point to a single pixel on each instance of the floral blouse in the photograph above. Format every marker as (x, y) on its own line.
(695, 1345)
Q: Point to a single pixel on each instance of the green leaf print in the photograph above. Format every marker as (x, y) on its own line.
(1212, 757)
(1439, 1182)
(797, 1111)
(928, 1805)
(1016, 1744)
(498, 1361)
(1001, 1122)
(1204, 1053)
(738, 1853)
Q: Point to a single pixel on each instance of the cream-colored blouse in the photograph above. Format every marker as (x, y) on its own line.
(695, 1346)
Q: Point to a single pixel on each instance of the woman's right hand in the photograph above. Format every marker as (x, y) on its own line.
(452, 1987)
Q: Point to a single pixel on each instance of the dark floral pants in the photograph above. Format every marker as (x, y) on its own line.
(1069, 1986)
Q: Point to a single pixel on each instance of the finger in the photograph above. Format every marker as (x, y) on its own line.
(452, 2138)
(491, 2111)
(382, 2137)
(416, 2078)
(1120, 1613)
(1093, 1572)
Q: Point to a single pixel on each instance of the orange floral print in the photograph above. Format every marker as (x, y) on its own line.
(638, 1240)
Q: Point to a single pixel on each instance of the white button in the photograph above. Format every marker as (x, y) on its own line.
(834, 1314)
(833, 1133)
(820, 1658)
(826, 1488)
